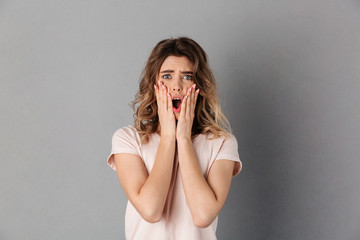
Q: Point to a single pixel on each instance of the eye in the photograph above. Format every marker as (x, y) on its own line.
(188, 77)
(166, 76)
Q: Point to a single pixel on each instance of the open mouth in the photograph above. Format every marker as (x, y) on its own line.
(176, 103)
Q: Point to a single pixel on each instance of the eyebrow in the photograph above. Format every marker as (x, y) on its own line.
(171, 71)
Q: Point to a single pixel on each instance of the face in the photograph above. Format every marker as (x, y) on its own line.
(177, 75)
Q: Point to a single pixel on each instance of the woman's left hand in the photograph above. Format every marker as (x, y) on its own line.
(187, 114)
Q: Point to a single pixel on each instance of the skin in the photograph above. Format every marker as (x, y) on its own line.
(148, 192)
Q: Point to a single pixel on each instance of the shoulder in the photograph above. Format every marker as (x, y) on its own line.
(124, 140)
(127, 131)
(225, 146)
(221, 146)
(127, 134)
(210, 139)
(229, 151)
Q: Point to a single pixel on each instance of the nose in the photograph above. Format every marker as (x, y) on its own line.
(177, 85)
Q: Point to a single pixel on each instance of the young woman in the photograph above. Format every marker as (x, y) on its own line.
(176, 163)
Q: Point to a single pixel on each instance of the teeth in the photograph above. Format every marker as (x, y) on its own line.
(176, 98)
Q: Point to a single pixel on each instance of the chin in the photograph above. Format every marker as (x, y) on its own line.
(177, 115)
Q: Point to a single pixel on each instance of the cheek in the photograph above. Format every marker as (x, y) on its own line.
(189, 85)
(165, 83)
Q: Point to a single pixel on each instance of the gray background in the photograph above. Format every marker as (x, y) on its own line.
(288, 77)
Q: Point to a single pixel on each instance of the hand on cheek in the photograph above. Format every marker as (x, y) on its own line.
(187, 114)
(165, 110)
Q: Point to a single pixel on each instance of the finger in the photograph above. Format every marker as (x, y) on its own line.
(156, 93)
(159, 95)
(163, 96)
(170, 106)
(167, 96)
(188, 102)
(193, 93)
(196, 95)
(183, 107)
(193, 105)
(158, 87)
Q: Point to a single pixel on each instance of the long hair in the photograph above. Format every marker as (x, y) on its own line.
(209, 117)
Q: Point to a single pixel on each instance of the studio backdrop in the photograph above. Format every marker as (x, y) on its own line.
(288, 77)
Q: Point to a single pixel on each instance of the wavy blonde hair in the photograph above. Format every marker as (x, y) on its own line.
(209, 117)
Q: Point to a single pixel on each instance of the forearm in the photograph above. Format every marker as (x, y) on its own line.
(152, 195)
(200, 197)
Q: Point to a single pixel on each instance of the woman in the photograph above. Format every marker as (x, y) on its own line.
(176, 163)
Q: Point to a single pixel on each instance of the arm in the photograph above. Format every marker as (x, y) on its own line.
(205, 197)
(147, 192)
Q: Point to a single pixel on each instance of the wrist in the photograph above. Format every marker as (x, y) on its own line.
(168, 133)
(183, 139)
(168, 136)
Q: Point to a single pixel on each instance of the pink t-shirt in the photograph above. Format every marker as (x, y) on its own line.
(176, 222)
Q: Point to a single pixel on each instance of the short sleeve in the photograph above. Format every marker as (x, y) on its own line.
(229, 151)
(124, 140)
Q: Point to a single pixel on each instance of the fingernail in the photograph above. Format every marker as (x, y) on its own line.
(154, 86)
(197, 91)
(163, 87)
(194, 85)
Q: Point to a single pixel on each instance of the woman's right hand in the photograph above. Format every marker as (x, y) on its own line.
(165, 110)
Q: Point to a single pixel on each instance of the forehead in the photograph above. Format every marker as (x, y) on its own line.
(177, 63)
